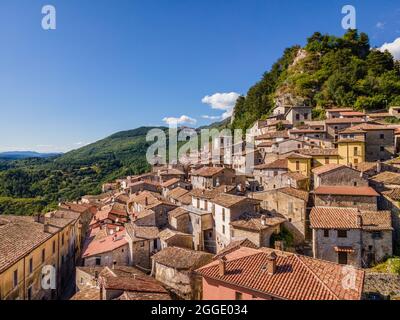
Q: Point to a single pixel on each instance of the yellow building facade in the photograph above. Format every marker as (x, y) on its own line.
(52, 242)
(351, 152)
(300, 164)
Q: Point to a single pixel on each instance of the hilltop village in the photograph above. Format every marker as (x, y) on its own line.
(319, 208)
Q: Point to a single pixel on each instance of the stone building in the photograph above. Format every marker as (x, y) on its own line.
(174, 238)
(291, 204)
(27, 246)
(143, 243)
(151, 201)
(338, 175)
(227, 208)
(212, 177)
(256, 227)
(268, 175)
(174, 268)
(336, 125)
(351, 236)
(102, 249)
(379, 141)
(364, 198)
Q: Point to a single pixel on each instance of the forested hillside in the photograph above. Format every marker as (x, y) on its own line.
(32, 185)
(328, 71)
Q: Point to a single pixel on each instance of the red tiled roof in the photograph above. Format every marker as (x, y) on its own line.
(170, 182)
(344, 120)
(208, 171)
(327, 168)
(346, 191)
(106, 244)
(297, 193)
(277, 164)
(349, 218)
(296, 278)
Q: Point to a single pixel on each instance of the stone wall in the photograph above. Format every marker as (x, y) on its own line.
(324, 247)
(374, 142)
(342, 177)
(360, 202)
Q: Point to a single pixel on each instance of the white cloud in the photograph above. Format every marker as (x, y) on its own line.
(393, 48)
(182, 119)
(380, 25)
(222, 101)
(211, 117)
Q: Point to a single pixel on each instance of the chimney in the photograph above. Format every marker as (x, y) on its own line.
(378, 167)
(222, 266)
(263, 220)
(359, 221)
(271, 268)
(279, 245)
(46, 227)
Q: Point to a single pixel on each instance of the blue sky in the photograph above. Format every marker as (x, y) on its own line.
(115, 65)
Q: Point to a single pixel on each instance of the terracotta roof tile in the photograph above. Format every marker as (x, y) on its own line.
(253, 221)
(349, 218)
(296, 278)
(277, 164)
(170, 182)
(387, 177)
(107, 244)
(327, 168)
(18, 236)
(346, 191)
(208, 171)
(230, 200)
(297, 193)
(180, 258)
(319, 152)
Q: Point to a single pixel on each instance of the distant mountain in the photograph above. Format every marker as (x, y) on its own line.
(17, 155)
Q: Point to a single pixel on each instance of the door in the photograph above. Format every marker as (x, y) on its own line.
(342, 258)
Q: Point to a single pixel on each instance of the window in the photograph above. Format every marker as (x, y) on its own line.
(30, 265)
(326, 160)
(290, 207)
(62, 239)
(297, 165)
(223, 229)
(98, 261)
(377, 235)
(232, 233)
(355, 183)
(356, 151)
(30, 293)
(43, 255)
(297, 117)
(382, 136)
(54, 246)
(382, 148)
(306, 116)
(342, 233)
(198, 203)
(342, 258)
(205, 205)
(223, 214)
(326, 233)
(155, 243)
(15, 278)
(238, 296)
